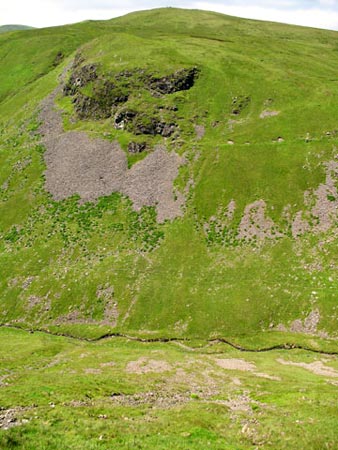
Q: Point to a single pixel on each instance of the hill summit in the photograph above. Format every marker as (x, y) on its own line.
(6, 28)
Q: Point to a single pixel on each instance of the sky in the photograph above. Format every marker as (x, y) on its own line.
(43, 13)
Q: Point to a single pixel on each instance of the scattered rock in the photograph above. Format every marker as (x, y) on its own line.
(299, 225)
(74, 317)
(111, 312)
(105, 293)
(27, 282)
(240, 403)
(157, 399)
(34, 300)
(326, 207)
(255, 225)
(10, 418)
(307, 326)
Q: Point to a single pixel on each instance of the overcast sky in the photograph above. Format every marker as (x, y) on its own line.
(42, 13)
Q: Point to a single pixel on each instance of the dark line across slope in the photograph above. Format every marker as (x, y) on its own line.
(284, 346)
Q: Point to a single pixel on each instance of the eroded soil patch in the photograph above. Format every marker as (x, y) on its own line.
(145, 365)
(316, 367)
(244, 366)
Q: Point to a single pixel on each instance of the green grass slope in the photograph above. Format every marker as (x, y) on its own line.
(261, 166)
(58, 393)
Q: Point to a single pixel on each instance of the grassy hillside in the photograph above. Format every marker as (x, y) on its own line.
(240, 241)
(168, 207)
(124, 394)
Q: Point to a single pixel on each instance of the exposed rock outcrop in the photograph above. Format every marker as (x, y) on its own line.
(80, 77)
(137, 147)
(97, 96)
(138, 123)
(181, 80)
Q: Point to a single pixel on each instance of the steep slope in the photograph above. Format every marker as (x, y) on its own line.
(179, 179)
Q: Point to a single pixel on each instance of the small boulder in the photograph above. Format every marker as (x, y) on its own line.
(137, 147)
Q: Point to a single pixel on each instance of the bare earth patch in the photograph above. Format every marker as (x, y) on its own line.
(267, 113)
(145, 365)
(317, 367)
(91, 371)
(235, 364)
(200, 131)
(245, 366)
(92, 168)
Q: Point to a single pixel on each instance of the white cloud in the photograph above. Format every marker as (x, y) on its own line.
(39, 13)
(312, 17)
(329, 3)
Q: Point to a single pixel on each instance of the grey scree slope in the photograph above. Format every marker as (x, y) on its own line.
(91, 168)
